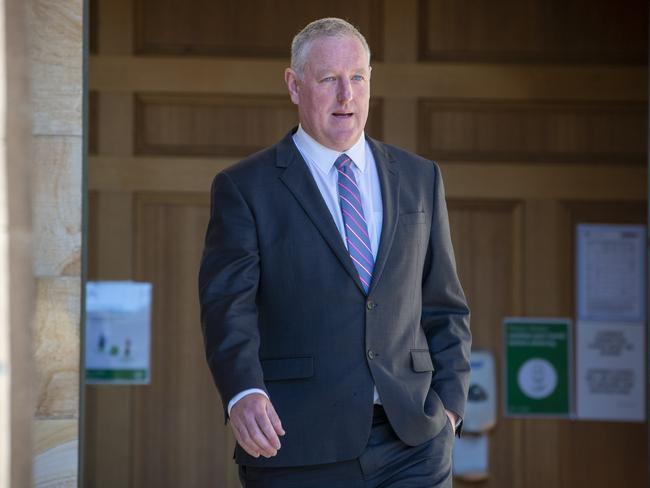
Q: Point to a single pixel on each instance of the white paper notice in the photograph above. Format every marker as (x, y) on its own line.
(611, 371)
(611, 272)
(118, 320)
(470, 458)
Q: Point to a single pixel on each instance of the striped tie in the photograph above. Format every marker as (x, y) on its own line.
(356, 227)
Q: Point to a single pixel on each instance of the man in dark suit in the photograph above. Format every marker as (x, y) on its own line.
(332, 313)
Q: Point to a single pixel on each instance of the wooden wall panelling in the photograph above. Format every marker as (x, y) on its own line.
(400, 38)
(187, 74)
(107, 428)
(256, 28)
(110, 234)
(544, 181)
(589, 462)
(157, 174)
(588, 132)
(569, 454)
(93, 20)
(181, 439)
(108, 424)
(545, 286)
(487, 239)
(107, 454)
(462, 180)
(113, 27)
(218, 125)
(541, 451)
(210, 125)
(621, 457)
(400, 41)
(400, 123)
(488, 243)
(115, 131)
(527, 31)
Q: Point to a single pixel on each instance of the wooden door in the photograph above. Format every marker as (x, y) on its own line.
(535, 109)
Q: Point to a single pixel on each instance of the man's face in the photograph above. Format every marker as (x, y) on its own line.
(334, 91)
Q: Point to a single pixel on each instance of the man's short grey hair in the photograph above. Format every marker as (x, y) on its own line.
(327, 27)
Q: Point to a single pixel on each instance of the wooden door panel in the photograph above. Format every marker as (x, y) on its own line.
(179, 437)
(589, 446)
(487, 244)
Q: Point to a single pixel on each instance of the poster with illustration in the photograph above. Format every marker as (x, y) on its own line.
(118, 323)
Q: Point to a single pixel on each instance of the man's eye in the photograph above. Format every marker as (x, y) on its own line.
(357, 78)
(329, 78)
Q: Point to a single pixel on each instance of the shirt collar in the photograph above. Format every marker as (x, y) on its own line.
(324, 157)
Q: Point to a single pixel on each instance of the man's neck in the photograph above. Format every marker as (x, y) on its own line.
(313, 140)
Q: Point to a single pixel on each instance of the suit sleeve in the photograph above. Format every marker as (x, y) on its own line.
(228, 282)
(445, 314)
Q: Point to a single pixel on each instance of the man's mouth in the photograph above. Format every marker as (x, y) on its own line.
(343, 115)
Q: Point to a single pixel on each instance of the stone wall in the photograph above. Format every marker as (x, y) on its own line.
(56, 75)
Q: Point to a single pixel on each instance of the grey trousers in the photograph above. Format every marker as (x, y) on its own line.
(386, 462)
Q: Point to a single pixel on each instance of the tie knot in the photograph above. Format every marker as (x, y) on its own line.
(342, 161)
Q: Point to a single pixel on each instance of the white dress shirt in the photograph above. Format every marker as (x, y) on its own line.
(320, 161)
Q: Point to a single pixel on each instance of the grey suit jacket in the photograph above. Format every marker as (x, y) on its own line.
(282, 307)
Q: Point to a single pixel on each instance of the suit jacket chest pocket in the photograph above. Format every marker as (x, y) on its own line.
(411, 239)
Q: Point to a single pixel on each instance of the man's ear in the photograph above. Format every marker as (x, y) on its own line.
(293, 84)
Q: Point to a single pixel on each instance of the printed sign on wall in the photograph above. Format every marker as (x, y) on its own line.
(538, 367)
(118, 321)
(611, 312)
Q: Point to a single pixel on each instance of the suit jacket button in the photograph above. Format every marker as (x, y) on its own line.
(371, 354)
(370, 304)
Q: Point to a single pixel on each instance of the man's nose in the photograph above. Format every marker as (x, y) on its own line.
(345, 91)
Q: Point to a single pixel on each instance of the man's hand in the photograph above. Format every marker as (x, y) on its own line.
(452, 418)
(256, 425)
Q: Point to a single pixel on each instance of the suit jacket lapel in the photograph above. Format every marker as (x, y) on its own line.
(389, 182)
(300, 182)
